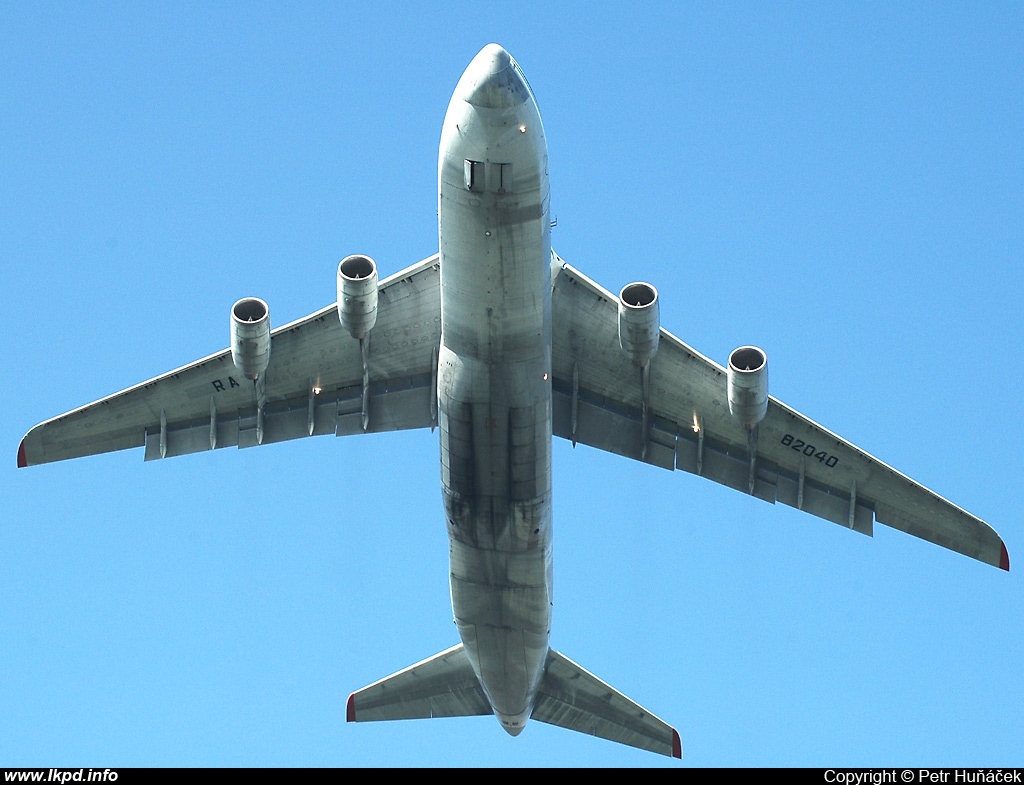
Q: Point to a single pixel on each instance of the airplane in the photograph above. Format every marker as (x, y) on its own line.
(499, 344)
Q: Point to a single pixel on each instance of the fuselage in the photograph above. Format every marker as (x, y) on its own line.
(494, 378)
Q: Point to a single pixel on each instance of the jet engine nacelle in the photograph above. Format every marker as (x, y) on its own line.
(250, 336)
(639, 322)
(357, 294)
(748, 385)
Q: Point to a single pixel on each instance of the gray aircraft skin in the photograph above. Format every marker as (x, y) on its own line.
(494, 379)
(502, 345)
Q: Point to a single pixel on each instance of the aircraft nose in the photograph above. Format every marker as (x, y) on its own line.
(493, 80)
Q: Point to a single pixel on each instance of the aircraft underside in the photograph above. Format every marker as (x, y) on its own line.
(501, 345)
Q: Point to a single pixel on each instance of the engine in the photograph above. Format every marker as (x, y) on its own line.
(639, 322)
(357, 294)
(748, 385)
(250, 336)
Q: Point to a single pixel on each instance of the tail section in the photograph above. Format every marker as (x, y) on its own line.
(574, 698)
(569, 696)
(441, 686)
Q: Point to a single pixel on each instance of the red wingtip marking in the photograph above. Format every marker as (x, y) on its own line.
(677, 745)
(22, 463)
(350, 709)
(1004, 559)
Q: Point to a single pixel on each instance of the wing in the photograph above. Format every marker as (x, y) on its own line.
(598, 400)
(315, 384)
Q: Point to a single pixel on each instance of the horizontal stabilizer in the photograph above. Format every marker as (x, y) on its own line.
(441, 686)
(573, 698)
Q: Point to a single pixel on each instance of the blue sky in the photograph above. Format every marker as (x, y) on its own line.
(841, 187)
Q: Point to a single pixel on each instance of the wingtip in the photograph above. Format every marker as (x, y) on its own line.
(1004, 559)
(22, 463)
(350, 708)
(677, 745)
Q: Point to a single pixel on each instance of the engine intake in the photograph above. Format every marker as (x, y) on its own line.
(748, 385)
(639, 322)
(357, 294)
(250, 336)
